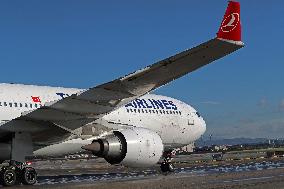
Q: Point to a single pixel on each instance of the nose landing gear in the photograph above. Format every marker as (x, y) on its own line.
(167, 166)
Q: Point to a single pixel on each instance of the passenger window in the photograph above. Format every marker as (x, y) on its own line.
(0, 103)
(5, 103)
(16, 105)
(31, 106)
(26, 105)
(36, 105)
(10, 104)
(21, 105)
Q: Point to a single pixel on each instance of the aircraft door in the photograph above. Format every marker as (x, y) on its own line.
(190, 119)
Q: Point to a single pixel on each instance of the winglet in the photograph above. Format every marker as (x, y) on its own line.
(230, 28)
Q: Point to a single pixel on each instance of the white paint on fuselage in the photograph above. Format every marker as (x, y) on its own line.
(22, 95)
(177, 125)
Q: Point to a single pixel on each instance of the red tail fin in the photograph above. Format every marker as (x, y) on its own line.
(230, 28)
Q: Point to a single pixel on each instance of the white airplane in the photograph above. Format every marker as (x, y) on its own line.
(119, 120)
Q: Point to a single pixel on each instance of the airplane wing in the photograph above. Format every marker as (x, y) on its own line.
(50, 122)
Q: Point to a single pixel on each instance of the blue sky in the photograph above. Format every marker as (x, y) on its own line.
(85, 43)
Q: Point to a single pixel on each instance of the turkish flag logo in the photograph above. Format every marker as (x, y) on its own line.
(230, 22)
(36, 99)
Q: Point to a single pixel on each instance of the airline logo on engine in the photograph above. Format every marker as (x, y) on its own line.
(230, 22)
(151, 104)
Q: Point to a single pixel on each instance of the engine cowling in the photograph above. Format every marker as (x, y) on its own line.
(133, 147)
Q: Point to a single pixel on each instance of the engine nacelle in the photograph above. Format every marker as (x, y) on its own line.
(133, 147)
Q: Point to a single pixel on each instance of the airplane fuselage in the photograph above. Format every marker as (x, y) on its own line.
(177, 123)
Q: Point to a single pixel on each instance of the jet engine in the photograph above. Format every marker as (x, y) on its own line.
(133, 147)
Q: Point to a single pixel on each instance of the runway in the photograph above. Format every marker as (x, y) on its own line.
(251, 180)
(250, 174)
(144, 174)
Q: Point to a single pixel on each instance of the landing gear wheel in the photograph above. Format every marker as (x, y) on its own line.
(29, 176)
(167, 167)
(8, 177)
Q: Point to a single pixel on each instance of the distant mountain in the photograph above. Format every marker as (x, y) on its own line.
(233, 141)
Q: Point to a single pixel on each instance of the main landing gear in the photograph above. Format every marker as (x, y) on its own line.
(167, 166)
(13, 173)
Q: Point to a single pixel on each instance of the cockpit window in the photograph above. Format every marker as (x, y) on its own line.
(198, 114)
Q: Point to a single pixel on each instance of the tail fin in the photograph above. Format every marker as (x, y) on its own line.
(230, 28)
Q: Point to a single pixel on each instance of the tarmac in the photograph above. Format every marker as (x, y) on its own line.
(189, 173)
(251, 180)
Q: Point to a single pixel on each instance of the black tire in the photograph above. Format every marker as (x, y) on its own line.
(8, 177)
(167, 167)
(163, 167)
(29, 176)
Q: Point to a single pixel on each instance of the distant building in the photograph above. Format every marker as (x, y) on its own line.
(188, 148)
(219, 148)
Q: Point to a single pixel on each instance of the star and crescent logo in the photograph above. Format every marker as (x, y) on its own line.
(230, 22)
(36, 99)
